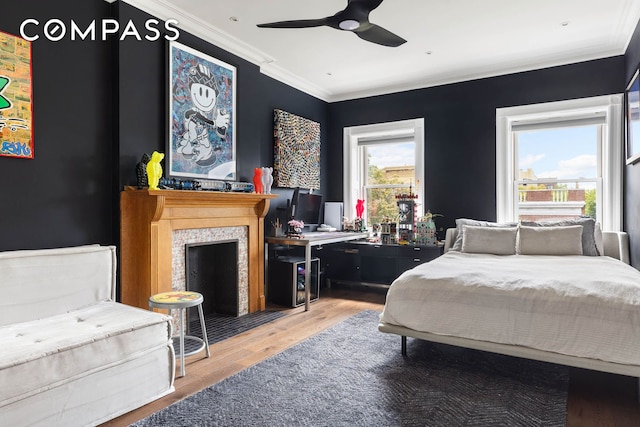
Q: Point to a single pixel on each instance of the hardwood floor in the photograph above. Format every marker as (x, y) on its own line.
(595, 399)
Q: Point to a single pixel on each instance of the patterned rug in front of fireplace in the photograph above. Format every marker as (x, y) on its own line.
(220, 326)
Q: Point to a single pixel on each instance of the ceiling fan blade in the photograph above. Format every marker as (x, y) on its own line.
(300, 23)
(355, 18)
(375, 34)
(367, 4)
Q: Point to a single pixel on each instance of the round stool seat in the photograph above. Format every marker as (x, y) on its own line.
(181, 300)
(176, 299)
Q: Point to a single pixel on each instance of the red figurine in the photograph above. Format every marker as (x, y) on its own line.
(360, 208)
(257, 180)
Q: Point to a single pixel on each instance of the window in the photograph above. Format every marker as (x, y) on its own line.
(558, 172)
(560, 160)
(380, 161)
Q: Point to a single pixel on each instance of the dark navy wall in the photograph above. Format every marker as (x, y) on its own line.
(632, 172)
(99, 105)
(460, 128)
(64, 196)
(142, 111)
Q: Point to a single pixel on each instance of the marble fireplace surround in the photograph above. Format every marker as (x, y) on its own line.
(152, 219)
(181, 238)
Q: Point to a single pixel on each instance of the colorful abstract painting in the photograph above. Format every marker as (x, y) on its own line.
(202, 93)
(297, 151)
(16, 131)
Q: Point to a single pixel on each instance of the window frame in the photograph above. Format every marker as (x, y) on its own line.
(610, 157)
(354, 168)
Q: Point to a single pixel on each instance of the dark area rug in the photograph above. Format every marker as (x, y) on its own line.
(220, 326)
(354, 375)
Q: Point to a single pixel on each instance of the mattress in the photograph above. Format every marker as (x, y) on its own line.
(48, 353)
(579, 306)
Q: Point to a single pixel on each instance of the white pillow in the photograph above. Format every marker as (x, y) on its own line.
(457, 244)
(489, 240)
(588, 234)
(550, 240)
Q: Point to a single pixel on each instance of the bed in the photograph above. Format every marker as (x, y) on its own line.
(564, 308)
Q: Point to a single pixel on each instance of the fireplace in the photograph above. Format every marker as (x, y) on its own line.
(212, 242)
(157, 224)
(212, 270)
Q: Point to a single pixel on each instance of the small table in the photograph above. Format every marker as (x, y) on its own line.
(315, 238)
(182, 300)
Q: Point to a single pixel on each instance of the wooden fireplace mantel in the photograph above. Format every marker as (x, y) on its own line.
(148, 217)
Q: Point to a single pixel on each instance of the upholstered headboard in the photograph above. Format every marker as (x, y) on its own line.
(615, 243)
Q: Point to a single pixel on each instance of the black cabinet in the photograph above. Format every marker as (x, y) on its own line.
(378, 263)
(373, 263)
(287, 281)
(348, 262)
(341, 260)
(410, 256)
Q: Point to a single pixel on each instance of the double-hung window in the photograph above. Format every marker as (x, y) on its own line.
(560, 160)
(380, 162)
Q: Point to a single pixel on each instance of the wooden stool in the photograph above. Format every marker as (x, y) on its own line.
(182, 300)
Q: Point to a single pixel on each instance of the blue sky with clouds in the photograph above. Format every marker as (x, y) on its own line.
(562, 153)
(384, 155)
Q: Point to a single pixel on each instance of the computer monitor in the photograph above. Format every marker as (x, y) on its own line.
(308, 208)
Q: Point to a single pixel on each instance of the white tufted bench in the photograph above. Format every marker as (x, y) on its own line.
(70, 354)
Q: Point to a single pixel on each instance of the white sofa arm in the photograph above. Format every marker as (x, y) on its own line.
(616, 245)
(450, 238)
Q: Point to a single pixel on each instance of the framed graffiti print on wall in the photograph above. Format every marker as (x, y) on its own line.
(16, 116)
(202, 110)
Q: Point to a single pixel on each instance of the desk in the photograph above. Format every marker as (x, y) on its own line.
(308, 240)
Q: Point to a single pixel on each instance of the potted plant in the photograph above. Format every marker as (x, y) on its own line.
(295, 228)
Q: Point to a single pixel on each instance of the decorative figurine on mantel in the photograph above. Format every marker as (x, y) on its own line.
(154, 170)
(141, 171)
(257, 180)
(267, 179)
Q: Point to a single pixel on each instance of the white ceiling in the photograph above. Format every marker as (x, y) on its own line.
(447, 40)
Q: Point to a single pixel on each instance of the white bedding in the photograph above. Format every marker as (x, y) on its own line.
(575, 305)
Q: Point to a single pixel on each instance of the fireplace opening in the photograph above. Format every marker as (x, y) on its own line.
(212, 270)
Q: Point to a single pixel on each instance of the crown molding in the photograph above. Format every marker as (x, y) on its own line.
(268, 66)
(627, 25)
(451, 78)
(163, 10)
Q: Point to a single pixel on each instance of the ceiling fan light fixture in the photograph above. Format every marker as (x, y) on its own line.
(354, 18)
(349, 24)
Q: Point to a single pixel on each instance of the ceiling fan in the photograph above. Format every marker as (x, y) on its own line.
(354, 18)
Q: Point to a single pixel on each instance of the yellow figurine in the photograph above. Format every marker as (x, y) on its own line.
(154, 170)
